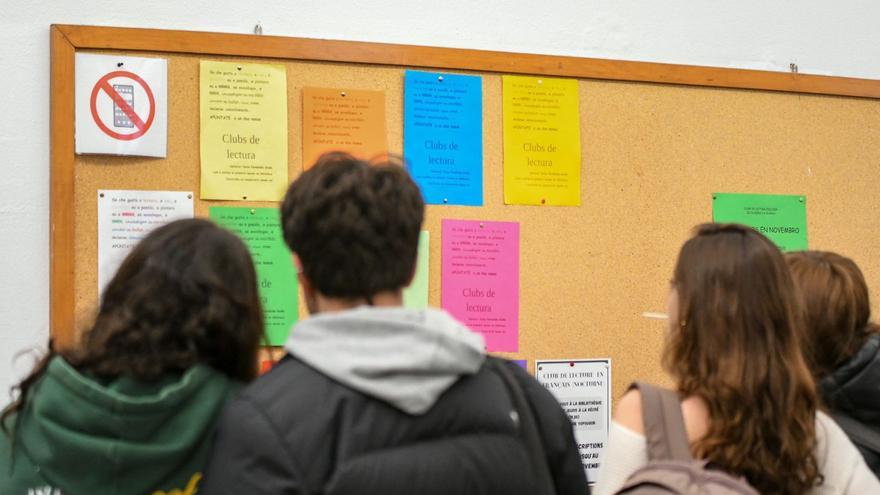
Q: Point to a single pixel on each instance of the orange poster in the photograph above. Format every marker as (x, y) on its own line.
(343, 120)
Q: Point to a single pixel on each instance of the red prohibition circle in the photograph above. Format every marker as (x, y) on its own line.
(103, 84)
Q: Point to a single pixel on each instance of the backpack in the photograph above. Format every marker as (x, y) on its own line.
(524, 417)
(671, 470)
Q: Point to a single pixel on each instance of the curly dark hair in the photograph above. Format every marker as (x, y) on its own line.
(186, 294)
(354, 225)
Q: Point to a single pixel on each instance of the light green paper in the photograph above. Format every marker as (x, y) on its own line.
(416, 295)
(782, 218)
(260, 228)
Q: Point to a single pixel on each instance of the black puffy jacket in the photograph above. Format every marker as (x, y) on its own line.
(296, 431)
(852, 394)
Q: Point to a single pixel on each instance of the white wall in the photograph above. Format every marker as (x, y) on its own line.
(821, 36)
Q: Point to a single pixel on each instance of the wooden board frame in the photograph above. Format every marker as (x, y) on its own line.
(66, 39)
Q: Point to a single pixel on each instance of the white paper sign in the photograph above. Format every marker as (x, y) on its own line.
(583, 389)
(126, 217)
(121, 105)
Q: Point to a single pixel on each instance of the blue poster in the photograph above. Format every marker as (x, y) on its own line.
(443, 136)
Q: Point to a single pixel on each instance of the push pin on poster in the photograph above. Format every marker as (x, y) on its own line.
(258, 29)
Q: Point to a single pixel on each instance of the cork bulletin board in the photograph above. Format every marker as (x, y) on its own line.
(657, 140)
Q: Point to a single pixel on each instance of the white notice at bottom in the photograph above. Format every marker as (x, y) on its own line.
(583, 389)
(126, 217)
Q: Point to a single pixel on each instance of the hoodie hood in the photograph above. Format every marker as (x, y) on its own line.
(854, 388)
(406, 358)
(123, 437)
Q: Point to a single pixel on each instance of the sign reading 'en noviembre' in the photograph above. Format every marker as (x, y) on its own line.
(782, 218)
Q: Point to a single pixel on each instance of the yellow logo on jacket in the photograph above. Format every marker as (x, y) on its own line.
(190, 489)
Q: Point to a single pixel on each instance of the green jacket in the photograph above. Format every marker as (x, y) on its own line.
(76, 436)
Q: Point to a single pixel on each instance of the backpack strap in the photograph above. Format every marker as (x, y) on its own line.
(527, 424)
(664, 424)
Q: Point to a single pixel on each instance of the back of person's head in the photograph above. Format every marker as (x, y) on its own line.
(836, 307)
(354, 225)
(186, 294)
(734, 342)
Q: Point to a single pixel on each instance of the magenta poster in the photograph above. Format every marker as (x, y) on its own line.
(480, 279)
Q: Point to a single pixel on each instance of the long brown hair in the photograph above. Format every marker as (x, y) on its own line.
(185, 295)
(836, 307)
(736, 346)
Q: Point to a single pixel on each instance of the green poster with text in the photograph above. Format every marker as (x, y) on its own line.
(416, 295)
(260, 229)
(782, 218)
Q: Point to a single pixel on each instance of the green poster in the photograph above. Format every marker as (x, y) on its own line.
(260, 228)
(416, 295)
(782, 218)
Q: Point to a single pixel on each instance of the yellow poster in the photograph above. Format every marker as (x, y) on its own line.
(243, 110)
(542, 141)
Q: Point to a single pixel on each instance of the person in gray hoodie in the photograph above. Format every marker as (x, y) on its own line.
(371, 397)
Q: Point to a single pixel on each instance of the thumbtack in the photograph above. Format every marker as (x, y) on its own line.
(244, 197)
(543, 201)
(570, 365)
(258, 29)
(445, 200)
(120, 64)
(440, 78)
(343, 93)
(540, 81)
(239, 67)
(101, 195)
(189, 196)
(481, 225)
(801, 199)
(253, 211)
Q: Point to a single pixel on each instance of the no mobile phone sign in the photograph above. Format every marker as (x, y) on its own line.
(121, 105)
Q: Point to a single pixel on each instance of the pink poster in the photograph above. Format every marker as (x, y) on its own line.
(480, 279)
